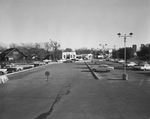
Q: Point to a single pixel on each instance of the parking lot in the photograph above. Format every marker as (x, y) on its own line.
(137, 78)
(72, 92)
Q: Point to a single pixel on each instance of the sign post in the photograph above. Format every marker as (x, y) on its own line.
(47, 74)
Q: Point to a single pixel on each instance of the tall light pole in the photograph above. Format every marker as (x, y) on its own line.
(125, 76)
(103, 47)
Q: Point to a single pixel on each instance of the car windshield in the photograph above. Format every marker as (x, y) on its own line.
(105, 66)
(100, 66)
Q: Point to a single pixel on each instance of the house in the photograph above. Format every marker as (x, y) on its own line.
(12, 55)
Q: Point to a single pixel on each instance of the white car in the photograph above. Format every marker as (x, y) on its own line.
(26, 66)
(102, 68)
(142, 67)
(131, 64)
(61, 60)
(121, 61)
(47, 61)
(4, 71)
(145, 67)
(3, 77)
(79, 59)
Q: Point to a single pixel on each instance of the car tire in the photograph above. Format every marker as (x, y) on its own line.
(13, 71)
(107, 70)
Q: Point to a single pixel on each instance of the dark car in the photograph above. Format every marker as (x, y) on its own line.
(11, 70)
(68, 61)
(74, 59)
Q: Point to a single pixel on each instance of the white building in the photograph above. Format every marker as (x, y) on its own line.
(68, 55)
(73, 55)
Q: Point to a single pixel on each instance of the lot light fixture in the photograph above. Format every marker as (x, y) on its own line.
(125, 76)
(103, 46)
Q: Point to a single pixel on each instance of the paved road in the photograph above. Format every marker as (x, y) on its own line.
(71, 93)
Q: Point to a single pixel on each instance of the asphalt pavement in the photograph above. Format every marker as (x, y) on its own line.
(110, 97)
(73, 93)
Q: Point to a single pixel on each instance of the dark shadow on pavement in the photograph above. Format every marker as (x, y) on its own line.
(102, 72)
(147, 73)
(116, 79)
(80, 63)
(82, 67)
(85, 71)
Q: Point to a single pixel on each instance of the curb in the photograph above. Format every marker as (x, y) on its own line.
(2, 82)
(94, 74)
(32, 68)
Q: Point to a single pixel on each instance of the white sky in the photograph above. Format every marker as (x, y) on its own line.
(75, 23)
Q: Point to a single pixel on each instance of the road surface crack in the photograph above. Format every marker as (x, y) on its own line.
(64, 91)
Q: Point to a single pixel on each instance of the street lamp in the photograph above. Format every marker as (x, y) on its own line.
(125, 76)
(103, 46)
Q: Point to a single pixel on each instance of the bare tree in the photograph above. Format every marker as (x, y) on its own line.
(47, 46)
(13, 45)
(2, 48)
(55, 46)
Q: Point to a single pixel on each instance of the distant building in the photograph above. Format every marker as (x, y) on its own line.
(73, 55)
(68, 55)
(12, 55)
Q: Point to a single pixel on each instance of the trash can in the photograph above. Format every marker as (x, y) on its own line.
(125, 77)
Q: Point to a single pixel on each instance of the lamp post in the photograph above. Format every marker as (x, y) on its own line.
(125, 76)
(103, 47)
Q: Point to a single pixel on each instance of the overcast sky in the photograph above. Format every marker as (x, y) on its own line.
(75, 23)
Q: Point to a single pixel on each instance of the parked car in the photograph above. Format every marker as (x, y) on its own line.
(9, 65)
(11, 69)
(74, 59)
(68, 61)
(3, 77)
(14, 68)
(102, 68)
(115, 60)
(79, 59)
(4, 71)
(61, 60)
(145, 67)
(142, 67)
(27, 66)
(37, 63)
(121, 61)
(131, 64)
(47, 61)
(96, 60)
(102, 60)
